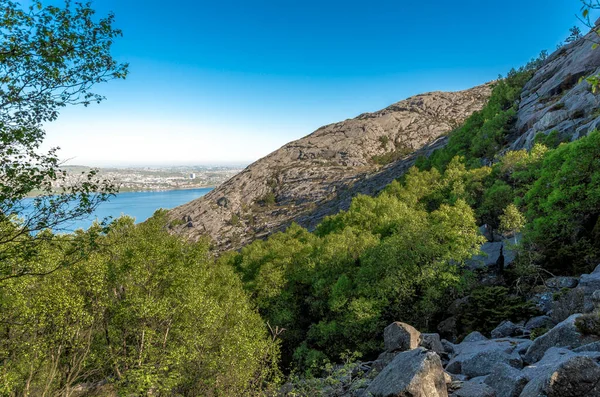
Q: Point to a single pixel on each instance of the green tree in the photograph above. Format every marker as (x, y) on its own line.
(563, 207)
(512, 220)
(148, 312)
(50, 57)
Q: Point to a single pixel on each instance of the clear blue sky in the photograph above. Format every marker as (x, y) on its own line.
(231, 81)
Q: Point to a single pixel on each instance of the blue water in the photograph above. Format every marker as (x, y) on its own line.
(139, 205)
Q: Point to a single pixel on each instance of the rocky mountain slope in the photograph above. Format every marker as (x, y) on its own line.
(556, 100)
(317, 175)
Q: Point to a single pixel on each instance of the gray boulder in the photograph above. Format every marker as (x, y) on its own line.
(590, 283)
(565, 334)
(490, 252)
(449, 347)
(563, 373)
(400, 337)
(383, 360)
(558, 283)
(590, 347)
(539, 322)
(432, 342)
(506, 381)
(480, 358)
(543, 301)
(508, 328)
(474, 336)
(448, 328)
(414, 373)
(474, 389)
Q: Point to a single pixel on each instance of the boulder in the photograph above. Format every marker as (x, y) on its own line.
(508, 328)
(543, 301)
(448, 328)
(590, 283)
(474, 336)
(432, 342)
(400, 337)
(558, 283)
(563, 373)
(539, 322)
(506, 381)
(565, 334)
(590, 347)
(449, 347)
(480, 358)
(490, 252)
(474, 389)
(383, 360)
(415, 373)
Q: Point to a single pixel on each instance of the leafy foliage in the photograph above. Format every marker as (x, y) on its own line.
(564, 206)
(50, 57)
(146, 311)
(387, 258)
(488, 306)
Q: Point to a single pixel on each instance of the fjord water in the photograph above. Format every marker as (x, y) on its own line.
(139, 205)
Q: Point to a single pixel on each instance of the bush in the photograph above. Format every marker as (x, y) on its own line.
(489, 306)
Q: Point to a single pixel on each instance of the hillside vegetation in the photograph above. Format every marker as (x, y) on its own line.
(401, 255)
(126, 309)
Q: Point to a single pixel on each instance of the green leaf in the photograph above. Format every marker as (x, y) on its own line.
(585, 13)
(594, 46)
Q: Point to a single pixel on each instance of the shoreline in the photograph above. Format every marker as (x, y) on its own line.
(33, 195)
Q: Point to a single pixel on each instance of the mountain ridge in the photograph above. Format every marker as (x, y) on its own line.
(315, 176)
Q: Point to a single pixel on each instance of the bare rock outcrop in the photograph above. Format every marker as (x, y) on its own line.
(318, 175)
(556, 100)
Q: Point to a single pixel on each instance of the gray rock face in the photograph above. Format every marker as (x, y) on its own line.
(563, 373)
(543, 301)
(401, 337)
(554, 99)
(539, 322)
(480, 358)
(558, 283)
(319, 174)
(432, 342)
(414, 373)
(506, 329)
(491, 253)
(590, 283)
(474, 389)
(506, 381)
(474, 336)
(565, 334)
(590, 347)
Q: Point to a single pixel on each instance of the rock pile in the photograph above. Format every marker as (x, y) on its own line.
(561, 362)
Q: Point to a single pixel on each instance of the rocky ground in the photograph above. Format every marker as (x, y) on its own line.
(563, 361)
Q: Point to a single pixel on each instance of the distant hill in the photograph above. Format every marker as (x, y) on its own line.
(316, 176)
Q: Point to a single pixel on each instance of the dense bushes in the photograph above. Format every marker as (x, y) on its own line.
(145, 311)
(391, 257)
(563, 206)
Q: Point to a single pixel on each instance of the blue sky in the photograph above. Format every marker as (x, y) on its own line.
(231, 81)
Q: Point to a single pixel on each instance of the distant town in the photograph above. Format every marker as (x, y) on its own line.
(160, 178)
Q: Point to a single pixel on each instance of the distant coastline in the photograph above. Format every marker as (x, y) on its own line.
(34, 194)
